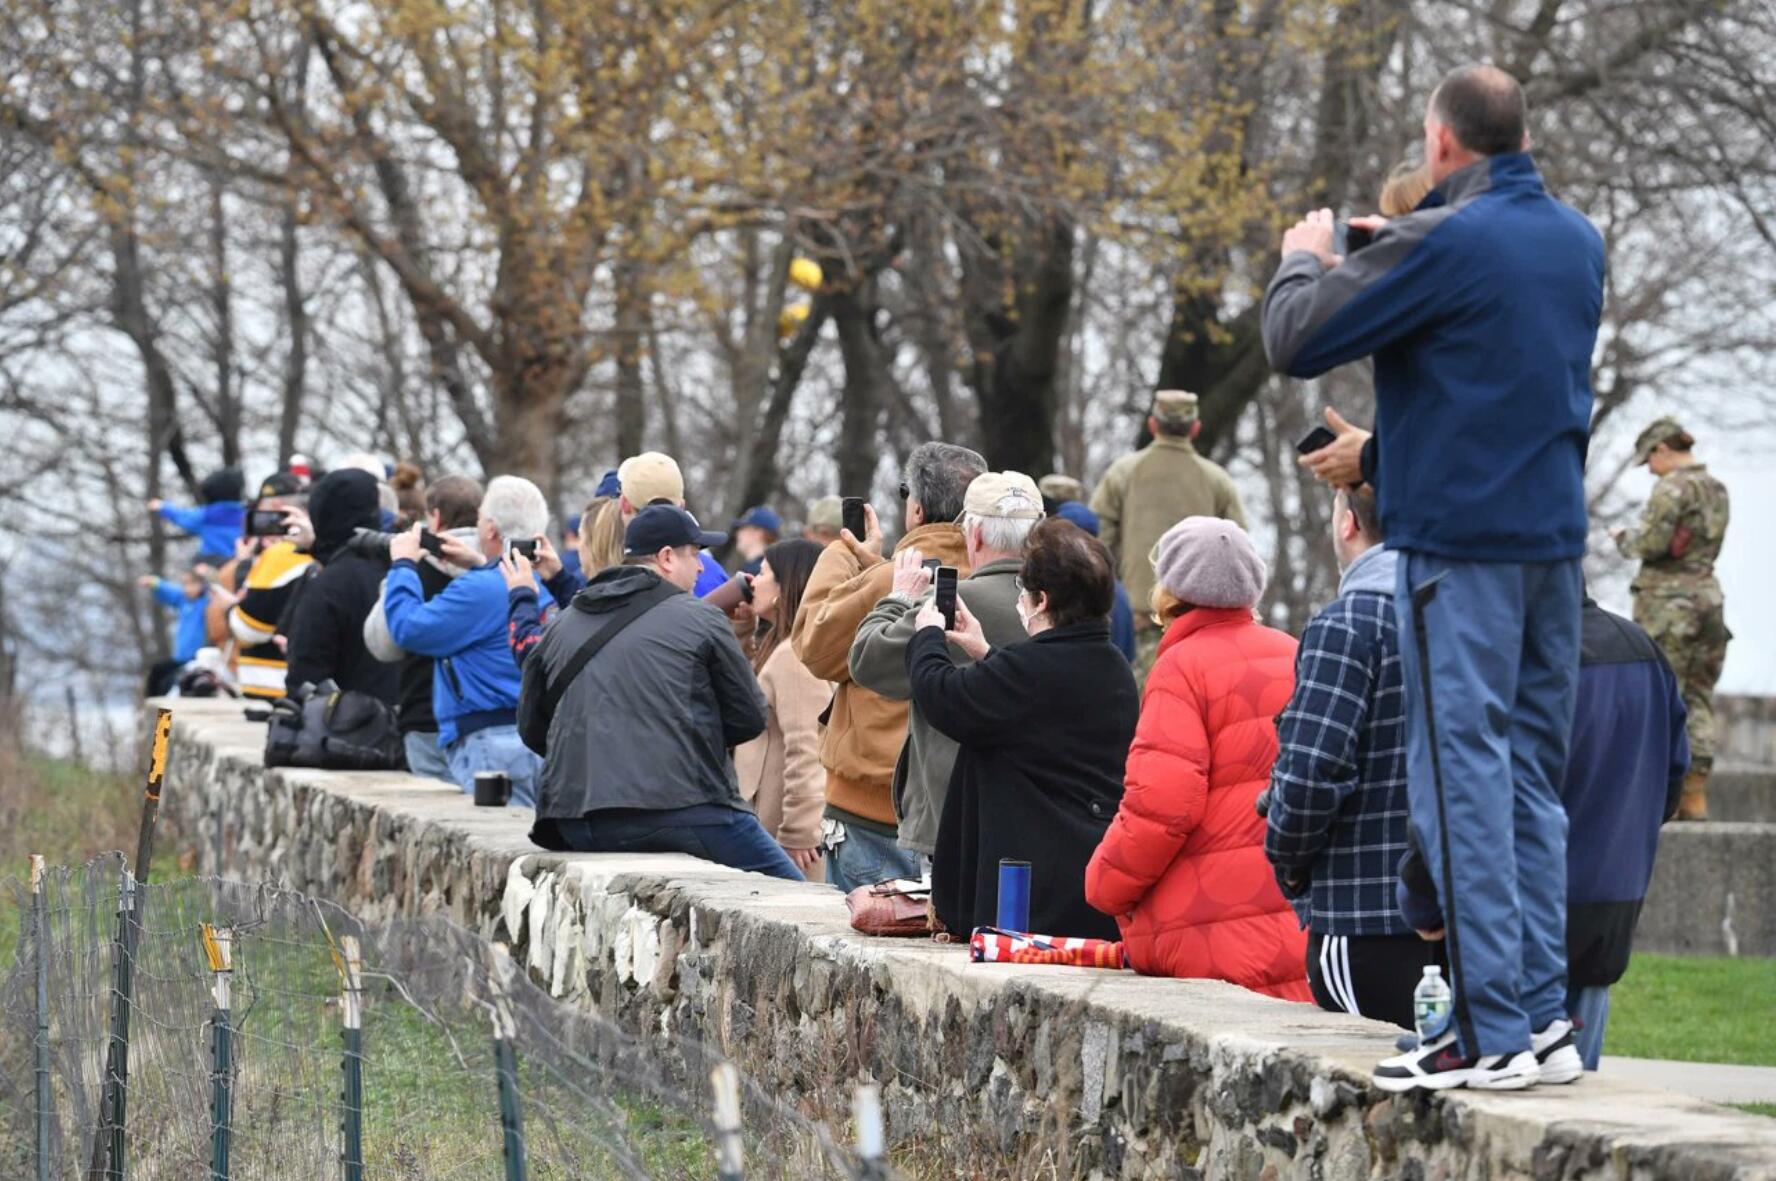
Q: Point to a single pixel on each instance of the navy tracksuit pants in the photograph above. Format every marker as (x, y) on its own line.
(1490, 656)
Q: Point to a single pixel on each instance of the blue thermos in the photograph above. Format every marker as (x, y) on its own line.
(1014, 895)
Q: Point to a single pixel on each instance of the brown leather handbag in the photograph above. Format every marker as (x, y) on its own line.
(899, 909)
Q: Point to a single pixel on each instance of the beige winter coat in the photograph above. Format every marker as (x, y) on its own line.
(780, 771)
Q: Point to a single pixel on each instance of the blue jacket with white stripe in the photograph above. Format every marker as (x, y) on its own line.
(1481, 310)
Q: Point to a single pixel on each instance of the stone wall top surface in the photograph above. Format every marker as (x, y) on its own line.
(436, 851)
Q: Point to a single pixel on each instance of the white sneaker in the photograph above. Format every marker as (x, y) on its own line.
(1557, 1053)
(1439, 1065)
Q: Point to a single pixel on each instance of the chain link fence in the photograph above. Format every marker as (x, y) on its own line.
(242, 1032)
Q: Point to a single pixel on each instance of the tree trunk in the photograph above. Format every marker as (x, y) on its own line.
(228, 409)
(762, 477)
(296, 321)
(631, 397)
(1017, 339)
(861, 396)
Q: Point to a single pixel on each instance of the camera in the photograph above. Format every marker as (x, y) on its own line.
(526, 546)
(266, 522)
(374, 543)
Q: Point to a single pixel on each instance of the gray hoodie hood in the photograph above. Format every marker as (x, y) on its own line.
(613, 587)
(1375, 569)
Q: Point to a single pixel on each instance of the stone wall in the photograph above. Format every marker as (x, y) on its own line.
(996, 1070)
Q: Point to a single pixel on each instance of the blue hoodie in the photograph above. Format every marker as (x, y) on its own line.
(189, 636)
(1481, 310)
(463, 629)
(216, 526)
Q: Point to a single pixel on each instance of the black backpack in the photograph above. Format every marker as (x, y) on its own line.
(335, 730)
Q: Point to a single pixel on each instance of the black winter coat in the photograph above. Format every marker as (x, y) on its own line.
(1044, 729)
(327, 629)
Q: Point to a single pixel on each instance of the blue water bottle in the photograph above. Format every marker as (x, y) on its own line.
(1014, 895)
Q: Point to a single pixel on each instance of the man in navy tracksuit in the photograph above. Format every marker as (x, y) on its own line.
(1624, 778)
(1481, 311)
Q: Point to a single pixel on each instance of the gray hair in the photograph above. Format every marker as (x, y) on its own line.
(516, 507)
(938, 475)
(1000, 535)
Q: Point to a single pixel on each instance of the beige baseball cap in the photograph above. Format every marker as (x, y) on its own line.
(1176, 407)
(1009, 495)
(651, 476)
(827, 513)
(1056, 486)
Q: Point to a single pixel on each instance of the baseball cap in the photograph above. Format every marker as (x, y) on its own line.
(1176, 407)
(1010, 495)
(1058, 487)
(1657, 431)
(759, 516)
(660, 526)
(827, 513)
(608, 485)
(279, 484)
(651, 476)
(1080, 515)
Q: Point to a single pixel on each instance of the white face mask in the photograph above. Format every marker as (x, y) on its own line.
(1025, 617)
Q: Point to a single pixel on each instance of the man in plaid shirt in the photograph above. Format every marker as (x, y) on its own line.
(1338, 813)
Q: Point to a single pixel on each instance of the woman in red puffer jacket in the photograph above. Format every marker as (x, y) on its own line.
(1182, 866)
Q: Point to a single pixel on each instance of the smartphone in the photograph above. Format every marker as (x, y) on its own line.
(853, 517)
(933, 565)
(945, 599)
(1348, 239)
(431, 543)
(526, 546)
(1314, 440)
(266, 522)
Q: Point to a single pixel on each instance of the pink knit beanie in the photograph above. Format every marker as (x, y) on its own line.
(1208, 562)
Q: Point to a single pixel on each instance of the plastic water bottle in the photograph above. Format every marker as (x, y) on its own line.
(1431, 1003)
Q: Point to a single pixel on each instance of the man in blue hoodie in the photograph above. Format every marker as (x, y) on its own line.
(1481, 310)
(463, 629)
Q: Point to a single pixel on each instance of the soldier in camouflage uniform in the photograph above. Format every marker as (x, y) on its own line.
(1676, 597)
(1146, 493)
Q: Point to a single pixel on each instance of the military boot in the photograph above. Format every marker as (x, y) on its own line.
(1693, 805)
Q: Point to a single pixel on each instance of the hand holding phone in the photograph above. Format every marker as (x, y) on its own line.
(526, 546)
(853, 517)
(944, 599)
(1314, 440)
(266, 522)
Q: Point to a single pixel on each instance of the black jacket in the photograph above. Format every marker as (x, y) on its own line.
(326, 629)
(414, 712)
(649, 722)
(1044, 729)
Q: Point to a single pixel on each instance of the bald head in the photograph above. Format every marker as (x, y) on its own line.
(1478, 111)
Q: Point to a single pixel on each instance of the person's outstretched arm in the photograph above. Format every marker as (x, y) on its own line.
(978, 704)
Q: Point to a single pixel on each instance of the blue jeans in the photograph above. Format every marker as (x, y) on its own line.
(424, 755)
(864, 858)
(1590, 1009)
(1489, 652)
(726, 836)
(497, 748)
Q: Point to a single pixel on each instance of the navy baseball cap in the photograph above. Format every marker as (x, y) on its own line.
(609, 485)
(760, 516)
(663, 526)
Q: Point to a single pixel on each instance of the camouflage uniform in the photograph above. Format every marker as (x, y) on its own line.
(1146, 493)
(1676, 597)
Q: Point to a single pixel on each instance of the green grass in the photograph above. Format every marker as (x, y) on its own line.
(1695, 1009)
(1768, 1109)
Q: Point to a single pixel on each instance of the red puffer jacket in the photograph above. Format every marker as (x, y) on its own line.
(1182, 865)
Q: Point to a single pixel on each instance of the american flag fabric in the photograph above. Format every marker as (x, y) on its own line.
(991, 945)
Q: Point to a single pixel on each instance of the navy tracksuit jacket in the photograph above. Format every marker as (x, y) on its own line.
(1481, 311)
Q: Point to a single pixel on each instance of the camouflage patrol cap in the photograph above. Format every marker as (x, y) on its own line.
(1175, 407)
(1657, 431)
(1061, 488)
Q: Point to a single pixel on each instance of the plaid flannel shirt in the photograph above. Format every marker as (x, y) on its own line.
(1338, 811)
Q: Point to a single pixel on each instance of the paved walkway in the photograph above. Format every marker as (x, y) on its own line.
(1717, 1083)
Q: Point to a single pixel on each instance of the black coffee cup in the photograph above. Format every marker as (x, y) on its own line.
(492, 789)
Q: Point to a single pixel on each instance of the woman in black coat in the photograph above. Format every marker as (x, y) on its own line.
(1044, 729)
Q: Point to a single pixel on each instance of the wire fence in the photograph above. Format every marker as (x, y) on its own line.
(204, 1028)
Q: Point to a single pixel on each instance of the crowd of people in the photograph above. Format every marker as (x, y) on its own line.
(1461, 762)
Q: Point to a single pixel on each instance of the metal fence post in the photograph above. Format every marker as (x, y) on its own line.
(866, 1110)
(218, 947)
(108, 1144)
(505, 1064)
(40, 1040)
(730, 1151)
(352, 1100)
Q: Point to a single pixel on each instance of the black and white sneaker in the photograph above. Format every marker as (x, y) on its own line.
(1557, 1054)
(1439, 1065)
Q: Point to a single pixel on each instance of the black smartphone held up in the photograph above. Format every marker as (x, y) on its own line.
(266, 522)
(945, 599)
(431, 543)
(852, 516)
(526, 546)
(1348, 239)
(1314, 440)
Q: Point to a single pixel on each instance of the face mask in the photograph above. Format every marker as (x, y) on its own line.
(1025, 617)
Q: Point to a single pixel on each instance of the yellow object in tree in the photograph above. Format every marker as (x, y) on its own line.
(806, 274)
(791, 318)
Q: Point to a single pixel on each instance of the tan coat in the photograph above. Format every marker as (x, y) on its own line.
(780, 771)
(1146, 493)
(865, 732)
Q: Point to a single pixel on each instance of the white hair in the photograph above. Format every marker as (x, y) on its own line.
(1000, 535)
(516, 507)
